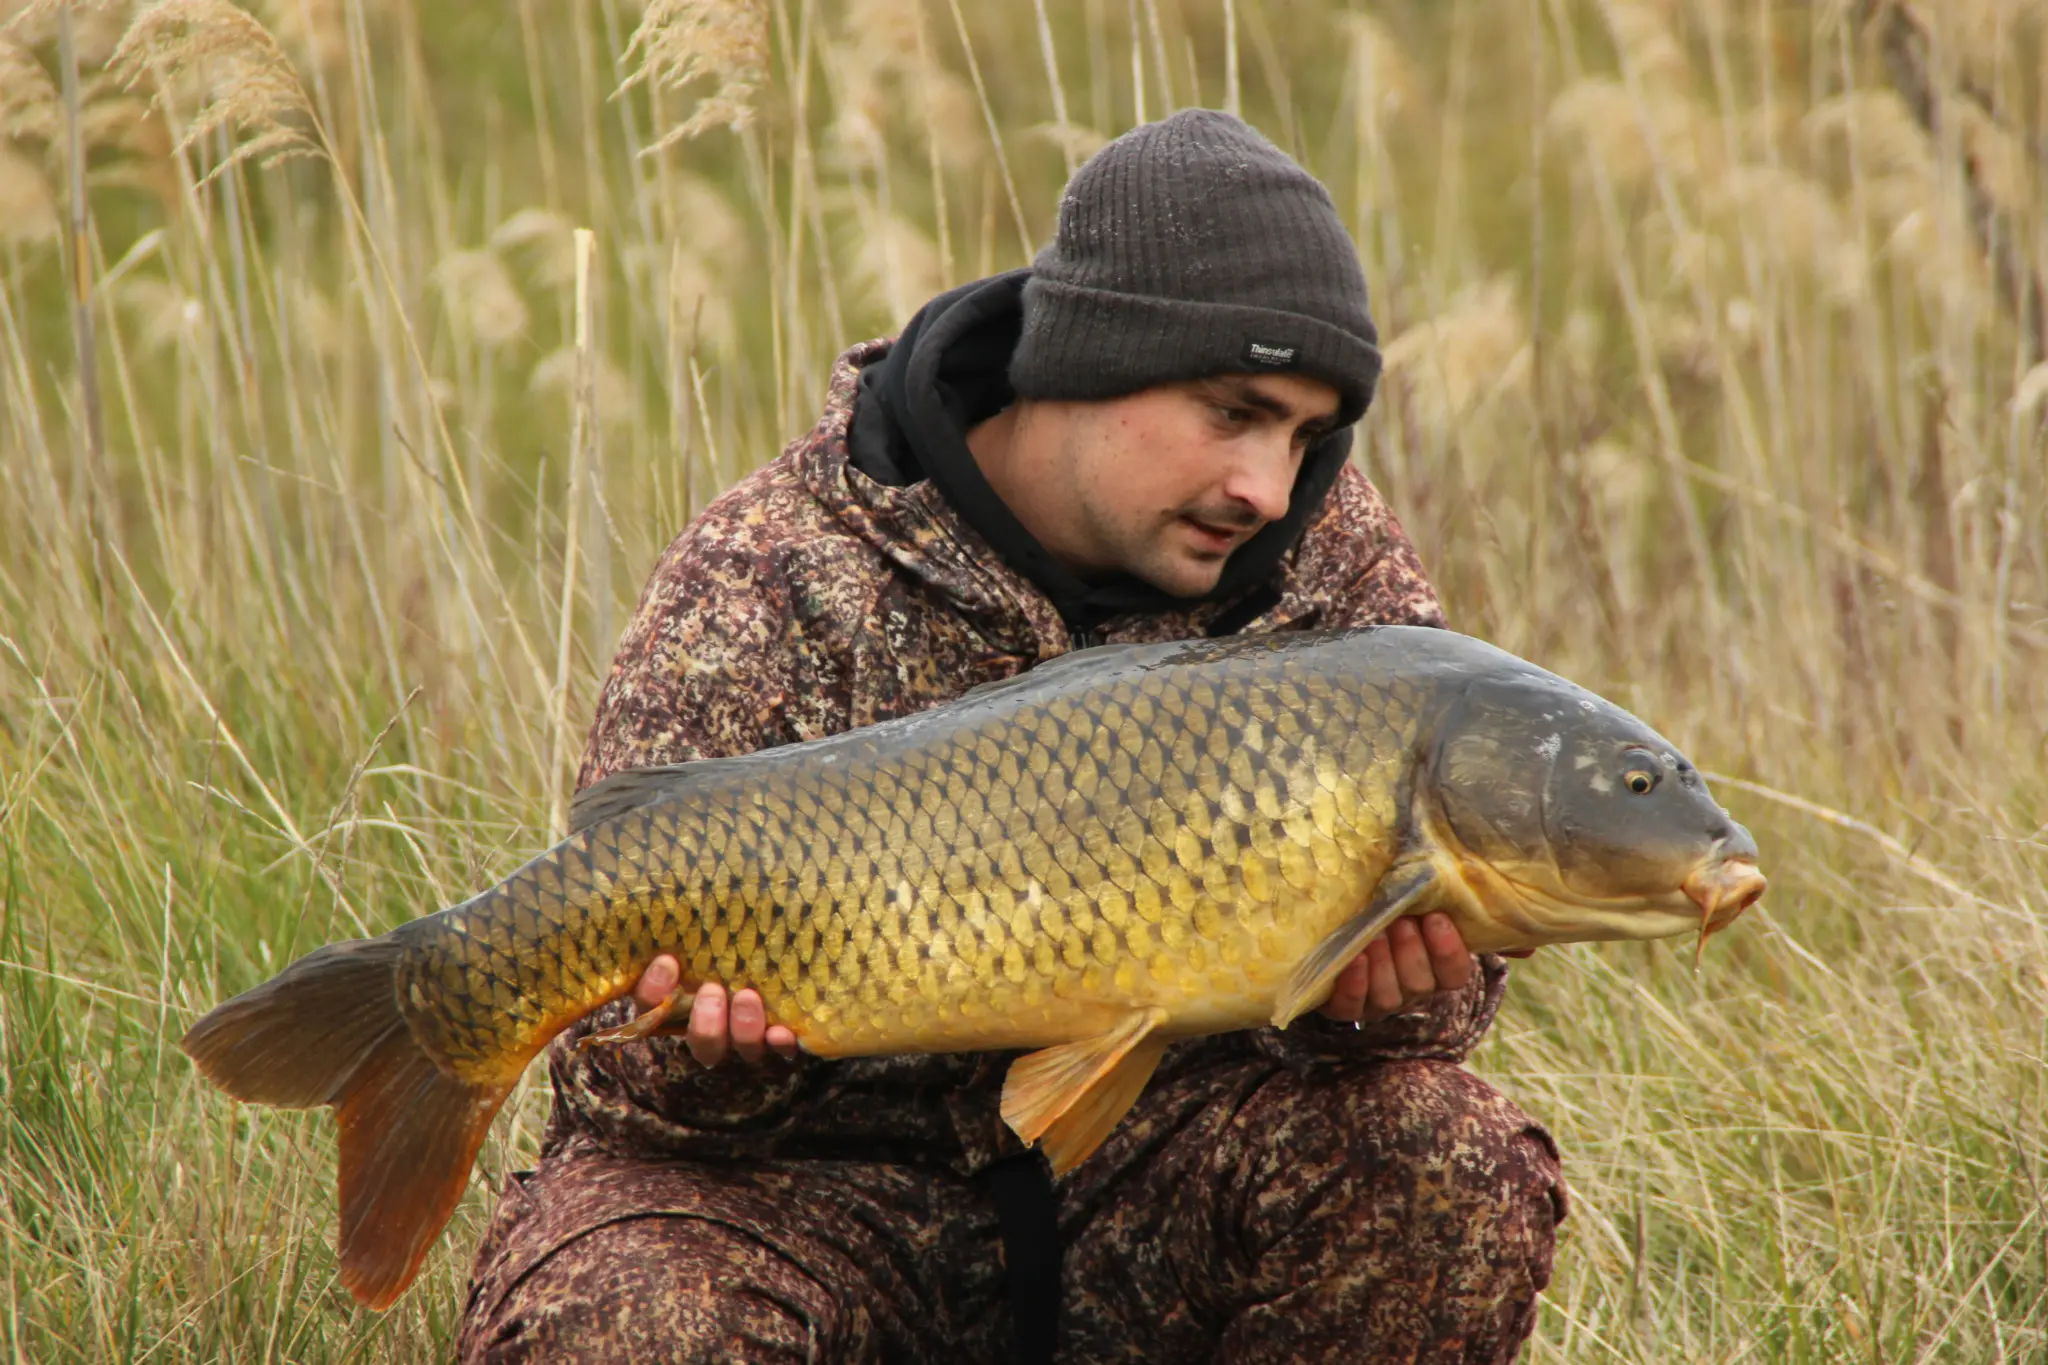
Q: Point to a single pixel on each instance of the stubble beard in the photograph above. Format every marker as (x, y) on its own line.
(1165, 559)
(1156, 549)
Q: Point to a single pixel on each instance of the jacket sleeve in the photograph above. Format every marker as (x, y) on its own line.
(1360, 564)
(702, 670)
(709, 667)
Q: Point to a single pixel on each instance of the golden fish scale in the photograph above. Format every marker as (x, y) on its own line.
(1161, 839)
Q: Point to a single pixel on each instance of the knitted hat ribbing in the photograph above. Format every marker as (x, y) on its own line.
(1192, 247)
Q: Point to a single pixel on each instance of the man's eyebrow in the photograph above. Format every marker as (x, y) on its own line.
(1279, 409)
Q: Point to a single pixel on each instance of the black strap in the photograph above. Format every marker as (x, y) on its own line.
(1029, 1218)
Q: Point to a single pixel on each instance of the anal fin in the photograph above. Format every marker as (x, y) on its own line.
(1072, 1095)
(668, 1019)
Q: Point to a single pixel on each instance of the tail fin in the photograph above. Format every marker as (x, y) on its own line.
(328, 1030)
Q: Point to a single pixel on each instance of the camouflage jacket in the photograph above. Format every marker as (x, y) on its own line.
(811, 599)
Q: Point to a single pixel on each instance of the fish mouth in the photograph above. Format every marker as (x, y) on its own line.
(1723, 889)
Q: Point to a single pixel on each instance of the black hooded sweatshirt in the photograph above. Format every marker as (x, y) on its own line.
(947, 372)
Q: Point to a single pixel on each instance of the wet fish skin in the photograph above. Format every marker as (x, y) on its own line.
(1119, 847)
(1008, 872)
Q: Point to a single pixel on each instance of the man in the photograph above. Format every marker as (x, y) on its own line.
(1143, 437)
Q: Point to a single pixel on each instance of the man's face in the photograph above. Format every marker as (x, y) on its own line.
(1166, 483)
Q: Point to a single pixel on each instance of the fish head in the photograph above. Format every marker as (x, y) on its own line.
(1568, 819)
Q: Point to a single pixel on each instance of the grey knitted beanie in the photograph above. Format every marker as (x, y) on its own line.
(1192, 247)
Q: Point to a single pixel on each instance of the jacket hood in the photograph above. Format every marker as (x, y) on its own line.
(948, 371)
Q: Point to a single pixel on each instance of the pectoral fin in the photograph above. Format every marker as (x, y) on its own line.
(1405, 887)
(1072, 1095)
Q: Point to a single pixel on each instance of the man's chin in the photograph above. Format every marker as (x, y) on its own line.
(1186, 575)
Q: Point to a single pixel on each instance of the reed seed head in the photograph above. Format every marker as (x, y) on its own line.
(680, 42)
(223, 64)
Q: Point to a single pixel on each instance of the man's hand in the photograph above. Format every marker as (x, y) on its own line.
(716, 1025)
(1401, 969)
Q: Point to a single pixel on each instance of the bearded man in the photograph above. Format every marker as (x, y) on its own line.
(1142, 437)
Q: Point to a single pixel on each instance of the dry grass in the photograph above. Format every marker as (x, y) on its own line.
(1716, 385)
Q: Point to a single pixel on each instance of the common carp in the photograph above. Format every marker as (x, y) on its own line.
(1121, 847)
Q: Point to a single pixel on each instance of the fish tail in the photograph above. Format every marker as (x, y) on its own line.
(329, 1029)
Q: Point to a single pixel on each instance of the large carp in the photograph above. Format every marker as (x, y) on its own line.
(1121, 847)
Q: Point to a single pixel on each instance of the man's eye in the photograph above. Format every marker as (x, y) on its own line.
(1235, 416)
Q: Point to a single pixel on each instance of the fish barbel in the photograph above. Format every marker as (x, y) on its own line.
(1121, 847)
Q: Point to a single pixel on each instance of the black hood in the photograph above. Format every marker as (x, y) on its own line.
(947, 372)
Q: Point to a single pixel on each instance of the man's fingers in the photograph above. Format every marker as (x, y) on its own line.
(749, 1025)
(1383, 995)
(1401, 969)
(657, 981)
(707, 1035)
(782, 1041)
(1412, 966)
(1450, 963)
(1347, 992)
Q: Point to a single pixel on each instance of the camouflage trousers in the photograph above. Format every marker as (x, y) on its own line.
(1398, 1211)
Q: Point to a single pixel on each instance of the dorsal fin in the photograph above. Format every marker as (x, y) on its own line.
(632, 788)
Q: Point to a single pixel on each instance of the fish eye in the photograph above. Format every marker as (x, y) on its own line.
(1640, 771)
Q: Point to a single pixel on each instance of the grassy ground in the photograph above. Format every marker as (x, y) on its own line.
(1713, 343)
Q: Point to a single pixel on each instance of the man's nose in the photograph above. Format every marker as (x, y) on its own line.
(1264, 484)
